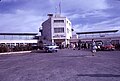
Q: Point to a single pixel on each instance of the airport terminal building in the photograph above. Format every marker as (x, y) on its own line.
(57, 30)
(109, 35)
(17, 38)
(17, 41)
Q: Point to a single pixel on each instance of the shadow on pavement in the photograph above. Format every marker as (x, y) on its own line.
(74, 56)
(78, 56)
(99, 75)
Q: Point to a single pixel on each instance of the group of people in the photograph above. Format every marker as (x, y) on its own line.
(81, 45)
(91, 46)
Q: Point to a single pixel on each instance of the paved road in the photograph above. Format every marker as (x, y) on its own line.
(65, 65)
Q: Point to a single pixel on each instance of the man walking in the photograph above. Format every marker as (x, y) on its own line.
(93, 47)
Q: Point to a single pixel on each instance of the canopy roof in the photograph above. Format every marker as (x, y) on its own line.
(18, 33)
(94, 32)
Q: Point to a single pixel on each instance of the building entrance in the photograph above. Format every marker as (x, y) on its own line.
(60, 42)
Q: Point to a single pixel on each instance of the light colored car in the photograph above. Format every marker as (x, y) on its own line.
(51, 48)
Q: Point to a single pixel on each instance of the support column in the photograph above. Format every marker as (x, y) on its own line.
(52, 41)
(66, 42)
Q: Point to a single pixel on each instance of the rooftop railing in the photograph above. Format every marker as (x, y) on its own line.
(98, 36)
(12, 37)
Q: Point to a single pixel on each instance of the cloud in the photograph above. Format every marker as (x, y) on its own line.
(95, 13)
(106, 18)
(84, 5)
(22, 15)
(85, 15)
(10, 6)
(38, 6)
(110, 24)
(22, 21)
(81, 28)
(90, 14)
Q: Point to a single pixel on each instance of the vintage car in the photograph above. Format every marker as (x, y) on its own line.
(51, 48)
(99, 45)
(108, 47)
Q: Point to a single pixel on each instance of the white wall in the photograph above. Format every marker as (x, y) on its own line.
(69, 26)
(65, 25)
(49, 25)
(57, 25)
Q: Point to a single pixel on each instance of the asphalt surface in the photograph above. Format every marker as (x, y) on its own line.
(65, 65)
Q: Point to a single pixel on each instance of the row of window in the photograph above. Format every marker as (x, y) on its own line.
(15, 37)
(60, 21)
(60, 30)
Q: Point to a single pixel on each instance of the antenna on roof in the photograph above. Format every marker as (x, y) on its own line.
(55, 10)
(58, 10)
(60, 7)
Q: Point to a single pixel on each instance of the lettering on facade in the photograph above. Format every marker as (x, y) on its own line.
(58, 36)
(102, 35)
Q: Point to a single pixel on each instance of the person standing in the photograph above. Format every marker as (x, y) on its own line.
(79, 44)
(94, 47)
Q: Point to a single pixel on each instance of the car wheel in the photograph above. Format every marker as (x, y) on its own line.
(55, 50)
(47, 51)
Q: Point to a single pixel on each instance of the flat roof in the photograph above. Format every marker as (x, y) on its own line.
(18, 33)
(93, 32)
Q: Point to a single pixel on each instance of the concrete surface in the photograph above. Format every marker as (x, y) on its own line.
(18, 52)
(65, 65)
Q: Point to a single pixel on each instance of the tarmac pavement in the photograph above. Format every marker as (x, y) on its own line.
(65, 65)
(18, 52)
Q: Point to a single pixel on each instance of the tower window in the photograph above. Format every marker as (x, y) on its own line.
(59, 30)
(58, 21)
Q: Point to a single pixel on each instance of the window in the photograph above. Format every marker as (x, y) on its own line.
(69, 24)
(67, 21)
(58, 21)
(68, 30)
(58, 30)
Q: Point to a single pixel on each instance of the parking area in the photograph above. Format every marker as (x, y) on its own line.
(65, 65)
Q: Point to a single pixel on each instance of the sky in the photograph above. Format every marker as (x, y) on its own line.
(85, 15)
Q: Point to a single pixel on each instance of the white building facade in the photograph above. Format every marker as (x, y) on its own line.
(57, 30)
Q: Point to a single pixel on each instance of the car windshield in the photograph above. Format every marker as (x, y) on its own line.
(108, 44)
(99, 43)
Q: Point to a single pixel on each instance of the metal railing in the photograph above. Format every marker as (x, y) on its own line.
(98, 36)
(12, 37)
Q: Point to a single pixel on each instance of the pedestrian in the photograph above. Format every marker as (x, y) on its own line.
(73, 46)
(94, 47)
(79, 44)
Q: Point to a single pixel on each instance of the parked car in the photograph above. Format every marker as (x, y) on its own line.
(51, 48)
(99, 45)
(108, 47)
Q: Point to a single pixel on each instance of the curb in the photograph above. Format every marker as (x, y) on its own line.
(7, 53)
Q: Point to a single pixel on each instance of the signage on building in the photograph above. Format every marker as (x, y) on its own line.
(58, 36)
(102, 35)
